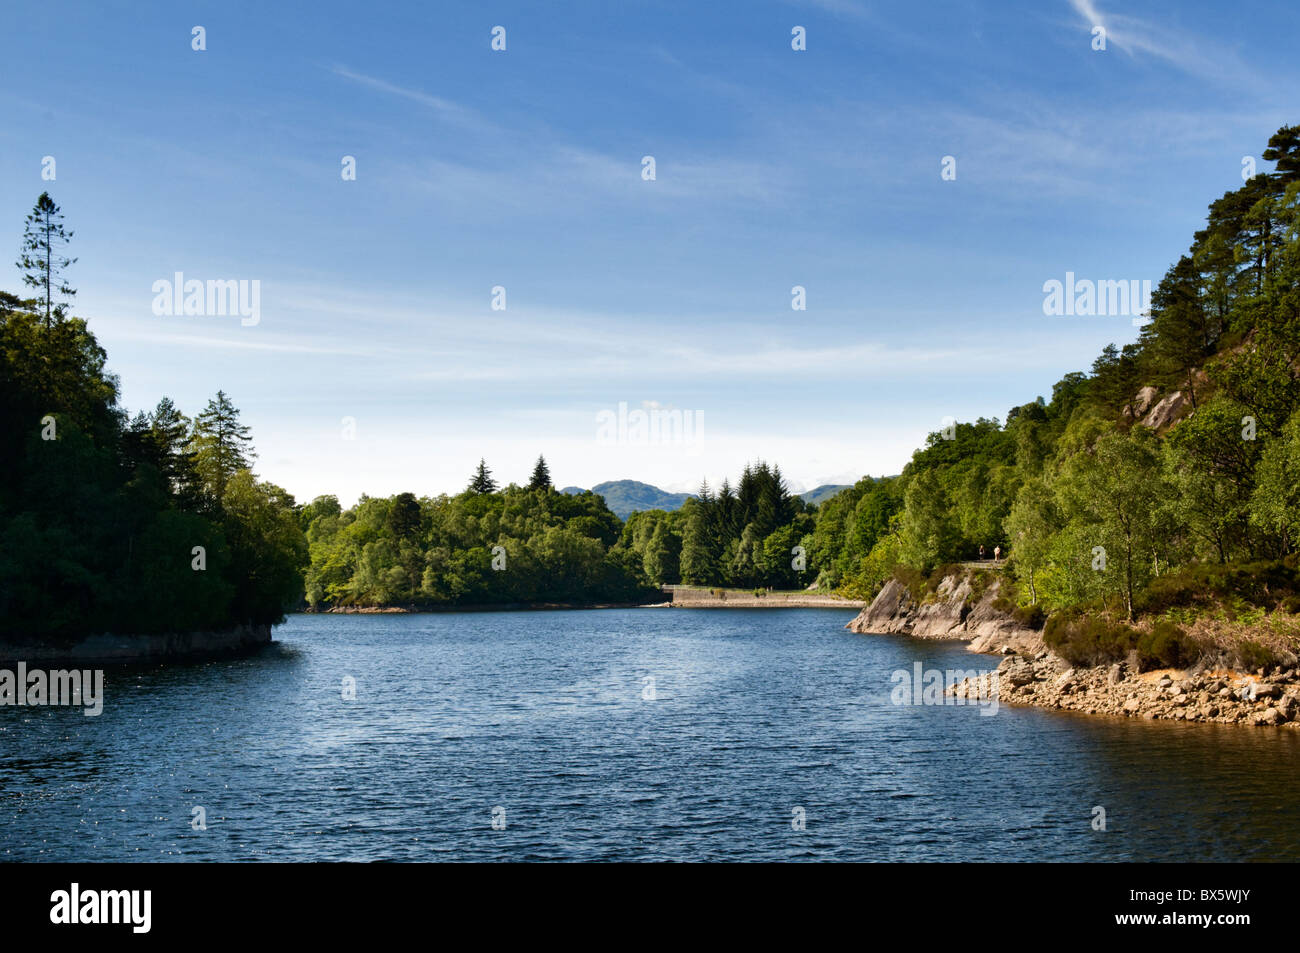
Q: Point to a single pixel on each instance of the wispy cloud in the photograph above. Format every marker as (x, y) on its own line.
(437, 103)
(1135, 36)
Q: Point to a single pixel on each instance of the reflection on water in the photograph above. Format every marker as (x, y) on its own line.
(548, 715)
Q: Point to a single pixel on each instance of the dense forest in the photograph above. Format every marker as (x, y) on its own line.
(114, 523)
(1165, 474)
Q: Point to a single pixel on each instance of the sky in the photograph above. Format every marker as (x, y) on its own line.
(378, 363)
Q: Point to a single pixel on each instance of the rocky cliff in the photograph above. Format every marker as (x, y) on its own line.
(954, 612)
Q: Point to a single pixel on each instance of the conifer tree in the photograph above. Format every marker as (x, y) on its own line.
(42, 260)
(541, 478)
(482, 481)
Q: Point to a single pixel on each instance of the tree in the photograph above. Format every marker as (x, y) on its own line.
(541, 478)
(482, 481)
(268, 548)
(404, 517)
(1284, 149)
(1275, 507)
(220, 444)
(928, 534)
(699, 561)
(42, 259)
(1116, 499)
(1030, 526)
(660, 561)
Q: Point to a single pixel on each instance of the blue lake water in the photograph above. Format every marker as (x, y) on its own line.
(546, 717)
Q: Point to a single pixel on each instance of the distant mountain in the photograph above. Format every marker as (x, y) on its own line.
(625, 497)
(822, 493)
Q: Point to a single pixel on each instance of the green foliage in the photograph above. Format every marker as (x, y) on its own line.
(101, 527)
(1266, 584)
(517, 545)
(1089, 640)
(1167, 646)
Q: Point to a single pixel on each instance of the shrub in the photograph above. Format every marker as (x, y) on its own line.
(1264, 584)
(1031, 617)
(1168, 646)
(1088, 640)
(1252, 655)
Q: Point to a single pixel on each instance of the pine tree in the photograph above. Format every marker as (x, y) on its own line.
(699, 562)
(541, 479)
(220, 444)
(482, 481)
(1284, 149)
(41, 259)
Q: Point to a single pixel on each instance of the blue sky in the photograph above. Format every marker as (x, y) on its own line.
(522, 168)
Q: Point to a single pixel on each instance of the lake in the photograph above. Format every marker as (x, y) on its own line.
(620, 734)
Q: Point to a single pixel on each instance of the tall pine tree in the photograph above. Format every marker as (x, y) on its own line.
(482, 481)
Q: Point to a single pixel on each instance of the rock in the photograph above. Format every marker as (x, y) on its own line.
(1144, 399)
(1115, 675)
(1019, 673)
(1166, 412)
(1165, 681)
(1133, 704)
(1270, 716)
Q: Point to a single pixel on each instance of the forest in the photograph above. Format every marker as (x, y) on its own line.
(113, 523)
(1165, 474)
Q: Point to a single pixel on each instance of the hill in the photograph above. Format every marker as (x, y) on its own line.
(625, 497)
(822, 493)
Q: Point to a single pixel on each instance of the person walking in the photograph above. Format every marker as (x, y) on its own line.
(997, 553)
(981, 553)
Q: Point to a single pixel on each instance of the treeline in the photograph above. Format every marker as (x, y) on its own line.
(749, 536)
(484, 546)
(116, 524)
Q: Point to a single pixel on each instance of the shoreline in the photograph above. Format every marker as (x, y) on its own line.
(1203, 694)
(1031, 675)
(112, 649)
(678, 597)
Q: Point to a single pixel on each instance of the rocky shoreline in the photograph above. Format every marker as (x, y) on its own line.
(952, 614)
(1031, 674)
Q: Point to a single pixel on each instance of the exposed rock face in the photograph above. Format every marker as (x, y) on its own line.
(1144, 399)
(1169, 410)
(951, 615)
(888, 613)
(1207, 696)
(113, 649)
